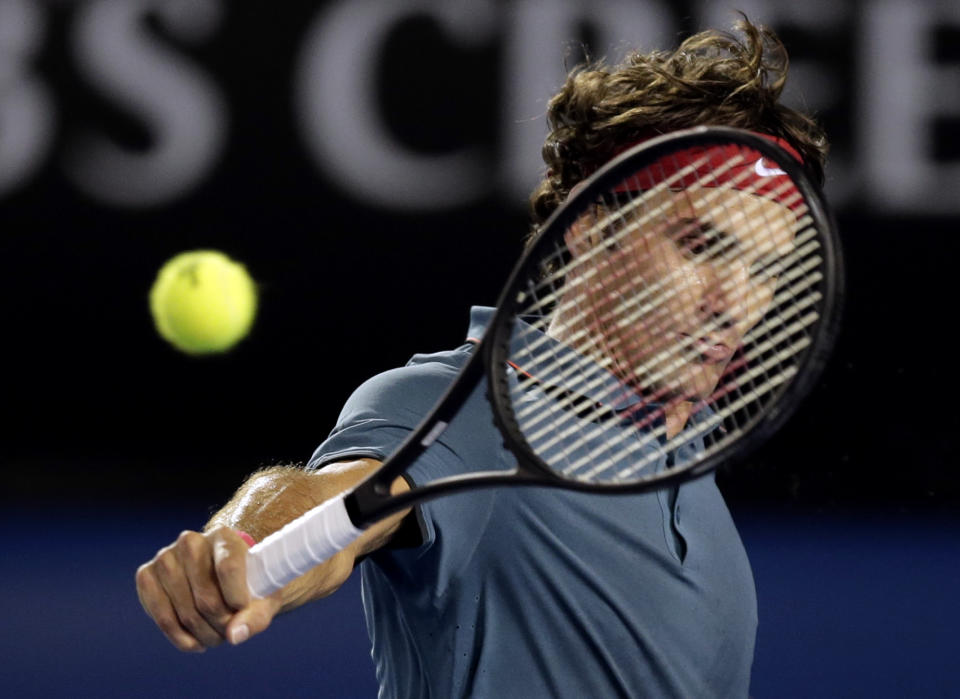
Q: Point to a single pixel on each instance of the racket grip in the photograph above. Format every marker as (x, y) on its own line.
(300, 545)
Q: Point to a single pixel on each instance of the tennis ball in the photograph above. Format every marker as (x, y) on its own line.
(203, 302)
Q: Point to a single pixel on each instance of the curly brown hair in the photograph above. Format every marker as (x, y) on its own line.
(713, 77)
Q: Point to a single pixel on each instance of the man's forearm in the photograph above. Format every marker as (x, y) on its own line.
(270, 498)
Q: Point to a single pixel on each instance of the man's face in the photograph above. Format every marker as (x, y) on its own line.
(669, 302)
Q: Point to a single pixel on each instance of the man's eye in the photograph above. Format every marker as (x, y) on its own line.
(704, 242)
(693, 244)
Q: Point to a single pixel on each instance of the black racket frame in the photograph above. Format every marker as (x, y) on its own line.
(371, 500)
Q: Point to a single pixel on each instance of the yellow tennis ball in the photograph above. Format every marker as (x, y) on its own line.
(203, 302)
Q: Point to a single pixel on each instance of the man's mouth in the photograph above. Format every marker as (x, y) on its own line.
(709, 350)
(713, 352)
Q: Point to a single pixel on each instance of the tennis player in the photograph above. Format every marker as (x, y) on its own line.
(539, 592)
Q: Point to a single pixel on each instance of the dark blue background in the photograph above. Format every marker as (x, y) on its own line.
(852, 604)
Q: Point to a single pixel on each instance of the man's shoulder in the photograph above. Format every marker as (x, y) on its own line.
(436, 361)
(413, 387)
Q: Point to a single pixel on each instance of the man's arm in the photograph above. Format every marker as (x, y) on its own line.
(195, 589)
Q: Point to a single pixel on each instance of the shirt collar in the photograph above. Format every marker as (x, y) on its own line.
(596, 383)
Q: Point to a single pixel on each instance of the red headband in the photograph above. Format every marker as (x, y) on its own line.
(754, 173)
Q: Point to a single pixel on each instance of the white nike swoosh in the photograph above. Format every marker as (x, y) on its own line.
(764, 171)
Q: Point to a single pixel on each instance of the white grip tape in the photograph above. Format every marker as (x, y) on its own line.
(302, 544)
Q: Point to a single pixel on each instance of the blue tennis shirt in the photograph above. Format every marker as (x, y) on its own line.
(539, 592)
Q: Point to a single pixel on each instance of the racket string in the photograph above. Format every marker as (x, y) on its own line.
(642, 295)
(569, 415)
(570, 375)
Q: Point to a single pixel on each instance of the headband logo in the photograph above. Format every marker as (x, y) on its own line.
(764, 171)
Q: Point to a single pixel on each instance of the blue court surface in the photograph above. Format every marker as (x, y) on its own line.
(858, 604)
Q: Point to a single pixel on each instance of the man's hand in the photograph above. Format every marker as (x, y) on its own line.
(195, 590)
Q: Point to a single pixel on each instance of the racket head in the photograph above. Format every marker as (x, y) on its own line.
(696, 279)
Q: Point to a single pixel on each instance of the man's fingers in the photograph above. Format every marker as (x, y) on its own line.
(230, 567)
(251, 620)
(173, 579)
(230, 563)
(193, 551)
(157, 605)
(196, 591)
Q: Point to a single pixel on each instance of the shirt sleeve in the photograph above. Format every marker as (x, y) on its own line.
(382, 412)
(378, 417)
(443, 534)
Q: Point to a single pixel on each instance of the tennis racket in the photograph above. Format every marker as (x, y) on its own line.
(688, 292)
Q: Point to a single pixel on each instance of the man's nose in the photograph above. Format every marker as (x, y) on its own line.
(718, 302)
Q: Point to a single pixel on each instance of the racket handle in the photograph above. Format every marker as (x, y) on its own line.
(300, 545)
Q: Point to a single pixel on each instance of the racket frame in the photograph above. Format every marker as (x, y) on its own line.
(371, 500)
